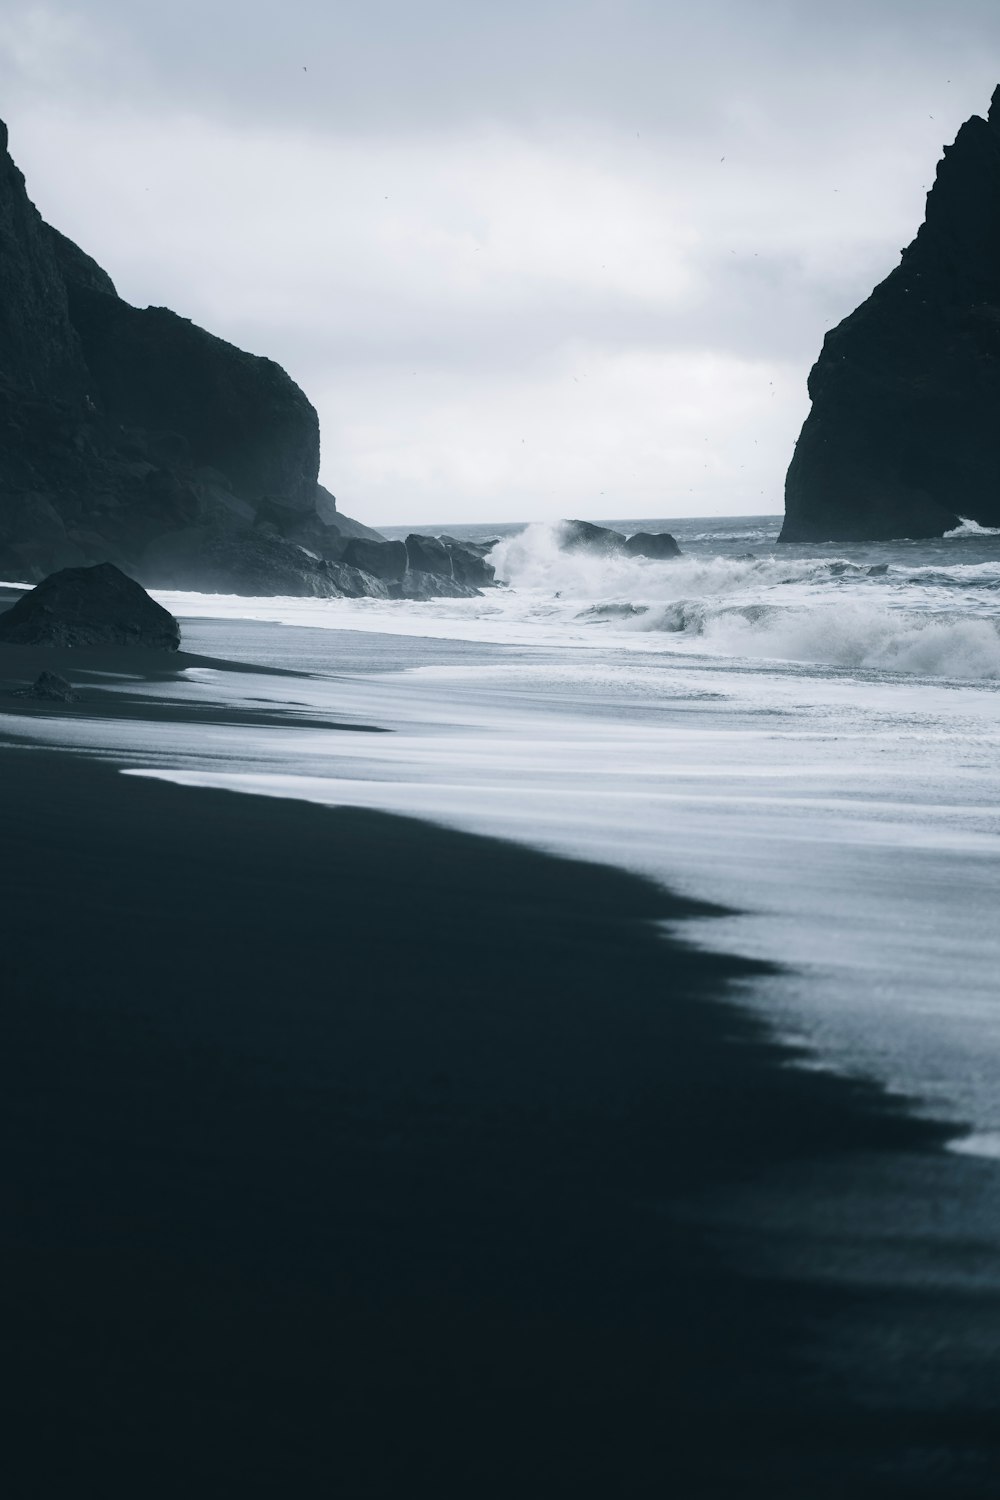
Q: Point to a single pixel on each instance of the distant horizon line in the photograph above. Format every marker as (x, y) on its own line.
(594, 520)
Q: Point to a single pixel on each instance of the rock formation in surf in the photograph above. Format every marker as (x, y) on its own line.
(903, 438)
(584, 536)
(658, 544)
(129, 435)
(98, 606)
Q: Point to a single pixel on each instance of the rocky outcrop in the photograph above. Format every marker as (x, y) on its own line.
(903, 438)
(447, 561)
(252, 563)
(122, 427)
(422, 567)
(385, 560)
(259, 561)
(96, 606)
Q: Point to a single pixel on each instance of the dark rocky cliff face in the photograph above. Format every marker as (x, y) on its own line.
(40, 353)
(236, 413)
(904, 434)
(120, 426)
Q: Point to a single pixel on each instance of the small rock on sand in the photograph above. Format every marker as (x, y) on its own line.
(49, 687)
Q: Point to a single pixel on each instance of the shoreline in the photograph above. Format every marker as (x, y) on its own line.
(361, 1153)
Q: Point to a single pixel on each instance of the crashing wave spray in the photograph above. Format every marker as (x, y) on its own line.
(830, 611)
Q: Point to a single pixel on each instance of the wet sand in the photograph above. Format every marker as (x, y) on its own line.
(350, 1155)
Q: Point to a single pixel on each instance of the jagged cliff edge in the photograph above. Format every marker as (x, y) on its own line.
(130, 435)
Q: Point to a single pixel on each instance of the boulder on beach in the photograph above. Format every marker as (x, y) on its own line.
(98, 606)
(903, 437)
(656, 544)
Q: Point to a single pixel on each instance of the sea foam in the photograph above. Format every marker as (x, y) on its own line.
(853, 634)
(928, 621)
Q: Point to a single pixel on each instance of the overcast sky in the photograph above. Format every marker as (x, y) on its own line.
(527, 259)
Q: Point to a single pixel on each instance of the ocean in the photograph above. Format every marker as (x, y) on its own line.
(806, 737)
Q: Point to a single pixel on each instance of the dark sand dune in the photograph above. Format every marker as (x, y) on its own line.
(351, 1156)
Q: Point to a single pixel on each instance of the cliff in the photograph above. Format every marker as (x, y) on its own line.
(122, 427)
(903, 438)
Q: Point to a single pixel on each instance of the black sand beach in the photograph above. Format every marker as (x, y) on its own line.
(347, 1155)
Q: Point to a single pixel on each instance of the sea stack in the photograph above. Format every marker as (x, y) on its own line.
(903, 439)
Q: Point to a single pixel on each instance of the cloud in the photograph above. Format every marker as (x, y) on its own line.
(390, 64)
(596, 432)
(518, 257)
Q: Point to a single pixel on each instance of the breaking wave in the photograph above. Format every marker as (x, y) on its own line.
(533, 561)
(849, 634)
(971, 528)
(928, 620)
